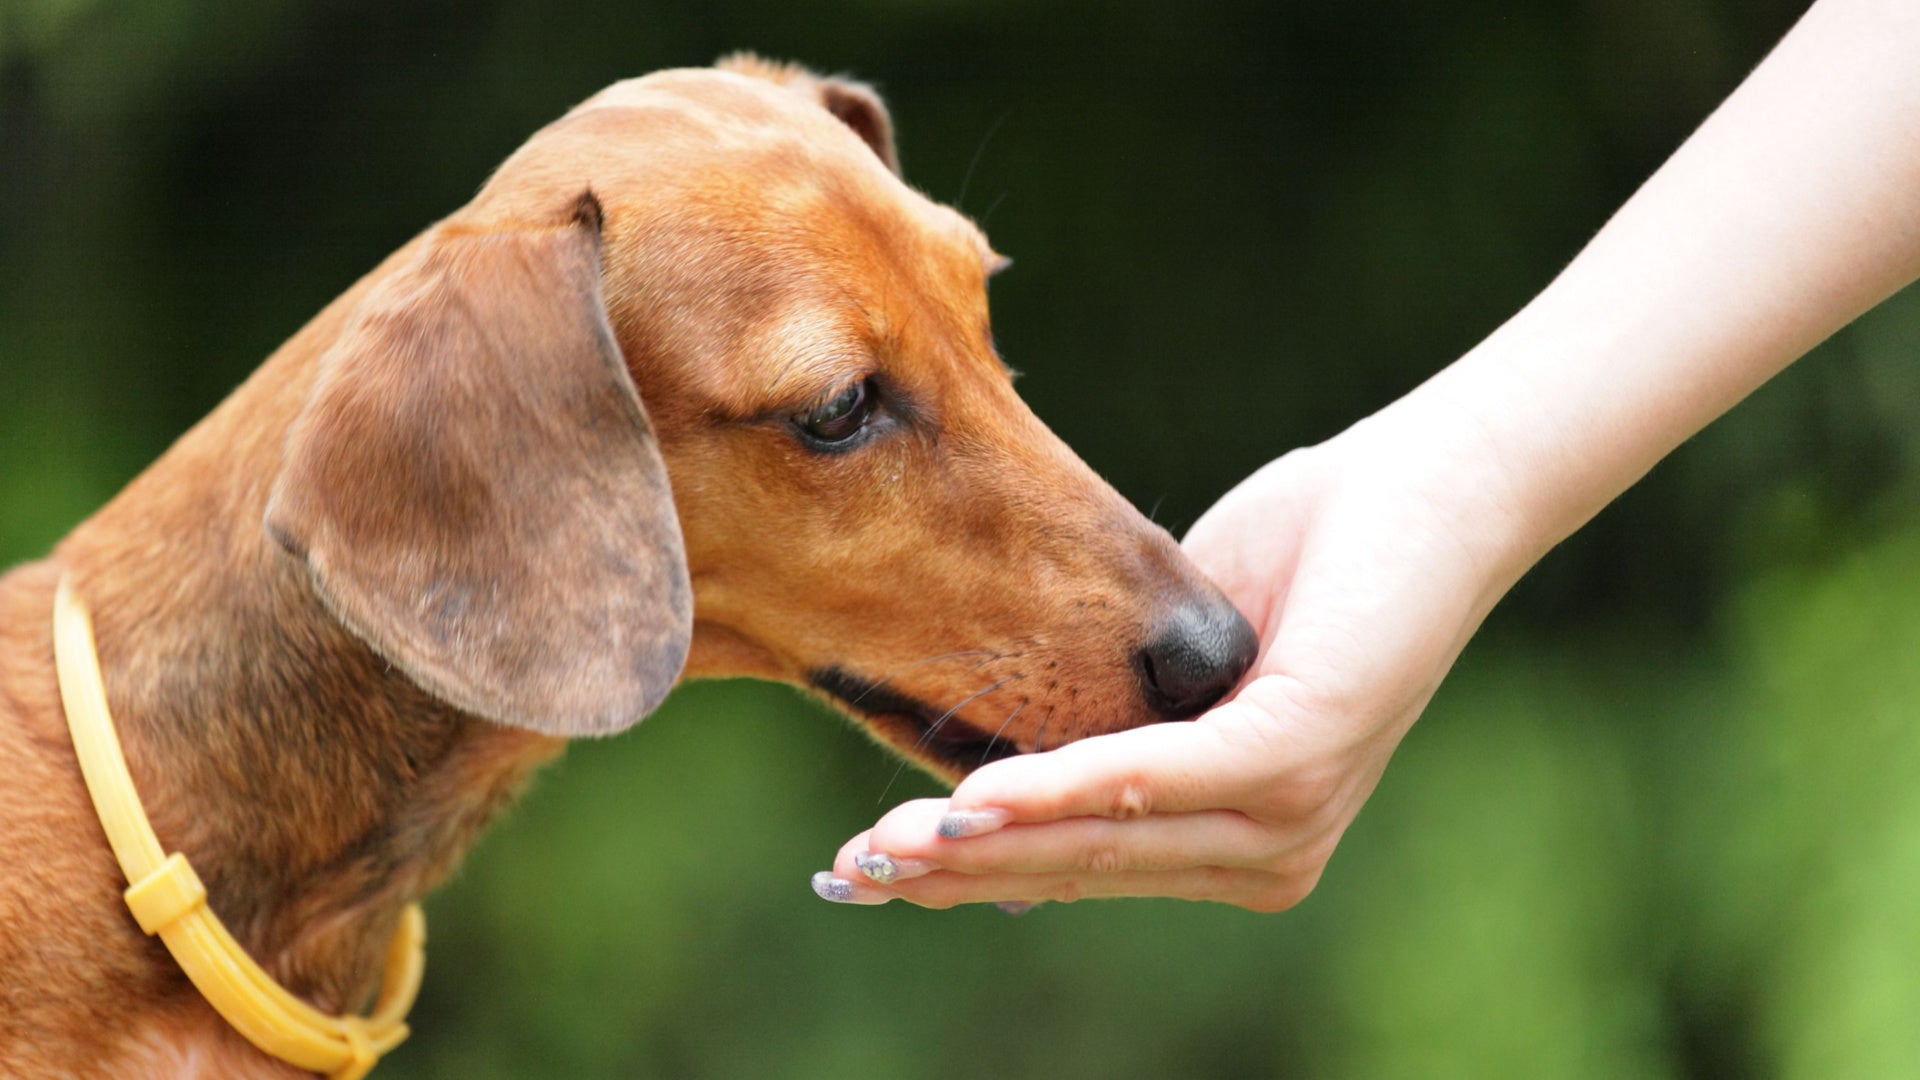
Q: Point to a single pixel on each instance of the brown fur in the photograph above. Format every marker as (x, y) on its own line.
(345, 616)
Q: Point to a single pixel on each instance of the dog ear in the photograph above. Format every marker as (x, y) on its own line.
(859, 107)
(854, 103)
(477, 491)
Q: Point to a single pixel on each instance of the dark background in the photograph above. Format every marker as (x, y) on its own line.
(1663, 821)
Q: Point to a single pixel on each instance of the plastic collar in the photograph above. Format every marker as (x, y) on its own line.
(168, 899)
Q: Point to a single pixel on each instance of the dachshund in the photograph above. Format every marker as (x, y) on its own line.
(696, 385)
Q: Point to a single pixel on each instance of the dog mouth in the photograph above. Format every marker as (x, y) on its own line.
(914, 727)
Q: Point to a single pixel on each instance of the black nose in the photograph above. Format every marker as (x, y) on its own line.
(1197, 653)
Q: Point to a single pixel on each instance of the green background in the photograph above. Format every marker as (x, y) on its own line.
(1663, 821)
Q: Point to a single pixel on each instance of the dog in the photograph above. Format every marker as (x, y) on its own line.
(694, 386)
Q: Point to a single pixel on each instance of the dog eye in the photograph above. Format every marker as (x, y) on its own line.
(841, 418)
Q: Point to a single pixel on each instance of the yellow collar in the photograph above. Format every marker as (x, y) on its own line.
(168, 899)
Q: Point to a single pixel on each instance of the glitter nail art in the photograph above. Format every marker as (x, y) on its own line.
(828, 887)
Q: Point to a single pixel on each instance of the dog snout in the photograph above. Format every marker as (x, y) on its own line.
(1194, 654)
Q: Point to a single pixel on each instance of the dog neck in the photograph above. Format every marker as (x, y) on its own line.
(316, 790)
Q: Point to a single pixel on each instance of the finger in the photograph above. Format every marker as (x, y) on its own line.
(910, 830)
(862, 857)
(861, 874)
(833, 887)
(1221, 838)
(843, 861)
(1253, 889)
(1160, 768)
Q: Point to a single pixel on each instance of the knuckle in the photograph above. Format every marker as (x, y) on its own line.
(1130, 801)
(1102, 859)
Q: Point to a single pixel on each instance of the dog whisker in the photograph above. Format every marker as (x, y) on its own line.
(927, 735)
(995, 205)
(888, 677)
(960, 201)
(934, 727)
(1040, 738)
(1002, 729)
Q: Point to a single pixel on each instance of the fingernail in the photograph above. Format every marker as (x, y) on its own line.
(964, 823)
(1015, 907)
(827, 887)
(886, 869)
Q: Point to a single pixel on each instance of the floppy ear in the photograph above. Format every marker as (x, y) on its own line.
(478, 493)
(856, 104)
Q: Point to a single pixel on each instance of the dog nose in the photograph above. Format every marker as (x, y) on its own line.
(1197, 653)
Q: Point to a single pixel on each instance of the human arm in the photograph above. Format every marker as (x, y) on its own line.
(1366, 563)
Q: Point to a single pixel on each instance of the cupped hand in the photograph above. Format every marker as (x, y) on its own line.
(1365, 564)
(1368, 561)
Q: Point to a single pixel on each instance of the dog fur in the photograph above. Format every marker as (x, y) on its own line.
(506, 490)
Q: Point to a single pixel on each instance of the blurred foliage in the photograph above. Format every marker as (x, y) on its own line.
(1663, 821)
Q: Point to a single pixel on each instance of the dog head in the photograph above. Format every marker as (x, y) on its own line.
(831, 480)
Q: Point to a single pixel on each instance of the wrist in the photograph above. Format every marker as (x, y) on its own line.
(1437, 449)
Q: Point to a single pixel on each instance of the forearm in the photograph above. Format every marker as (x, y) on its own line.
(1793, 209)
(1368, 561)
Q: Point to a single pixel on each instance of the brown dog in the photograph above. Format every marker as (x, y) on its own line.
(438, 533)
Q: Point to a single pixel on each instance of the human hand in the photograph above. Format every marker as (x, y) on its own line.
(1365, 564)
